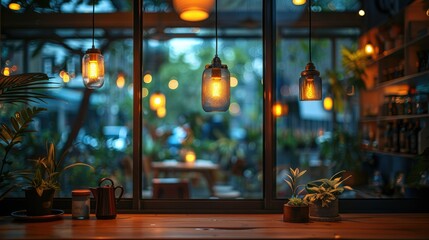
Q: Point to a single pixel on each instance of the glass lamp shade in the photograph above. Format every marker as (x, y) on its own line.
(310, 84)
(157, 101)
(193, 10)
(93, 69)
(215, 88)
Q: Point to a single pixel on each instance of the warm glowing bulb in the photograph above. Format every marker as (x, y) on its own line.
(310, 90)
(361, 13)
(6, 71)
(157, 100)
(14, 6)
(369, 49)
(66, 77)
(120, 81)
(190, 157)
(216, 87)
(328, 103)
(93, 69)
(277, 109)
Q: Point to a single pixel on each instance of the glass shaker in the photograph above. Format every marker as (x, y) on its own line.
(80, 204)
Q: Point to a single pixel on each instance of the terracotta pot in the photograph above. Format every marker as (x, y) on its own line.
(329, 213)
(295, 214)
(38, 205)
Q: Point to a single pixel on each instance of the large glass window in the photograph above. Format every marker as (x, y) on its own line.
(211, 157)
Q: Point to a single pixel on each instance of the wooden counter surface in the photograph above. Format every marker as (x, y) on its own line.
(220, 226)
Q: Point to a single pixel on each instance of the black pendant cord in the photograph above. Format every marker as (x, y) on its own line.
(309, 27)
(93, 23)
(216, 25)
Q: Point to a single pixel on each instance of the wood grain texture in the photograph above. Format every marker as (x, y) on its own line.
(220, 226)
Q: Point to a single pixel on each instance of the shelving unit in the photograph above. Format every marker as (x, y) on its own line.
(397, 76)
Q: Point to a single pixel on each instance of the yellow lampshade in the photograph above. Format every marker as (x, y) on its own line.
(215, 91)
(93, 69)
(157, 101)
(299, 2)
(193, 10)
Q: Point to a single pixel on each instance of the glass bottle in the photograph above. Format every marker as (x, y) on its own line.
(80, 204)
(403, 138)
(413, 136)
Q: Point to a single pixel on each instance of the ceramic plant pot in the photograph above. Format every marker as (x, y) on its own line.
(324, 214)
(295, 214)
(38, 205)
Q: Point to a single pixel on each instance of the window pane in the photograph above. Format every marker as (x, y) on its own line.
(216, 155)
(93, 127)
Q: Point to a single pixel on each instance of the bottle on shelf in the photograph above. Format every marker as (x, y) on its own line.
(395, 136)
(413, 134)
(388, 138)
(404, 138)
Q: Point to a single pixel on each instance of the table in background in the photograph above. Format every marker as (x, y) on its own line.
(206, 168)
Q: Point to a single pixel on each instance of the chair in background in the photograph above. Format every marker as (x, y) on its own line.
(170, 188)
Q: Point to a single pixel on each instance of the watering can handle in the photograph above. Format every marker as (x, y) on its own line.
(106, 179)
(120, 195)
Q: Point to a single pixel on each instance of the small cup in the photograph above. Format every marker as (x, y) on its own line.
(80, 204)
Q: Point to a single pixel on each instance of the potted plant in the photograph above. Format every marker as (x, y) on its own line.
(322, 195)
(296, 209)
(45, 181)
(14, 90)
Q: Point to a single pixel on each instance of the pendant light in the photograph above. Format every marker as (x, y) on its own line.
(193, 10)
(93, 63)
(310, 83)
(215, 88)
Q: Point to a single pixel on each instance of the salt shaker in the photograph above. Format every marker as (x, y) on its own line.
(80, 204)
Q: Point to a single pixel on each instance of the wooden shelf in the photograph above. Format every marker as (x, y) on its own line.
(393, 154)
(413, 78)
(392, 118)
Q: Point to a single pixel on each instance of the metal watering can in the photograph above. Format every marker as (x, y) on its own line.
(105, 202)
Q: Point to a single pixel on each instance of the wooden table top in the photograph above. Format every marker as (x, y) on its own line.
(220, 226)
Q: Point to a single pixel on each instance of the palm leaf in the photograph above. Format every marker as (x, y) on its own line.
(20, 88)
(13, 135)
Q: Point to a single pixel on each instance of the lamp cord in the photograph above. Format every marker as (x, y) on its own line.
(216, 25)
(309, 27)
(93, 24)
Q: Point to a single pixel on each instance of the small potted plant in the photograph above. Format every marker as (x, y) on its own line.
(45, 181)
(296, 209)
(322, 195)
